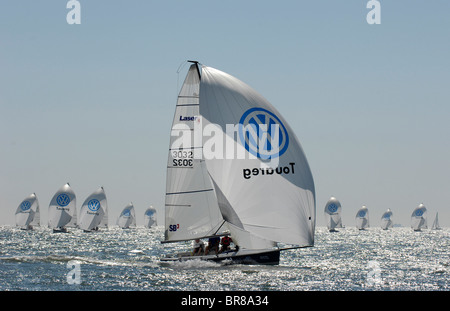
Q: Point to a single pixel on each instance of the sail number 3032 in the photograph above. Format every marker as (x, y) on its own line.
(182, 158)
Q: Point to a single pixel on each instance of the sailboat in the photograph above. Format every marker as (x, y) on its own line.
(419, 218)
(333, 212)
(435, 225)
(235, 167)
(150, 217)
(61, 209)
(127, 217)
(386, 220)
(27, 213)
(93, 211)
(362, 218)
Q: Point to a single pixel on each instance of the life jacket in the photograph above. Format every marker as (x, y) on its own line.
(226, 241)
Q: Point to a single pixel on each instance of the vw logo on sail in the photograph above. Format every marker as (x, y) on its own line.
(25, 206)
(258, 133)
(63, 200)
(93, 205)
(419, 213)
(126, 213)
(332, 208)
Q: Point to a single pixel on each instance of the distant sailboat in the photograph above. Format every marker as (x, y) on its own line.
(150, 217)
(127, 217)
(386, 220)
(61, 209)
(257, 203)
(93, 210)
(333, 211)
(435, 225)
(362, 218)
(419, 218)
(27, 213)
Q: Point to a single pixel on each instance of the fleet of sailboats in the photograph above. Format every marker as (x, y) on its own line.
(62, 212)
(261, 193)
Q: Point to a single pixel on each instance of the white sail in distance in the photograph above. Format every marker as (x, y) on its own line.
(332, 213)
(27, 213)
(93, 210)
(257, 175)
(62, 207)
(386, 220)
(436, 225)
(419, 218)
(150, 217)
(362, 218)
(127, 217)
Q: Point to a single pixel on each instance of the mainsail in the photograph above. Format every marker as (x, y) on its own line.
(362, 218)
(127, 217)
(93, 210)
(27, 213)
(62, 207)
(386, 220)
(419, 218)
(150, 217)
(332, 212)
(243, 169)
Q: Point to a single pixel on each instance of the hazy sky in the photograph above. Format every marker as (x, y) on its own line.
(92, 104)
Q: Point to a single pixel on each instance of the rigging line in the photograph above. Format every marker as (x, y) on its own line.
(186, 192)
(215, 233)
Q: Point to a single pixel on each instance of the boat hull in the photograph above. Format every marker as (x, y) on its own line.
(245, 257)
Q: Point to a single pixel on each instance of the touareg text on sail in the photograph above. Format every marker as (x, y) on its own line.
(280, 170)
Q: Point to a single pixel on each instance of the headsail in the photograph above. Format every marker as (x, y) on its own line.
(419, 218)
(386, 220)
(127, 217)
(332, 212)
(93, 210)
(27, 213)
(191, 208)
(62, 207)
(362, 218)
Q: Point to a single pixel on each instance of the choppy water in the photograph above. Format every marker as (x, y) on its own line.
(117, 259)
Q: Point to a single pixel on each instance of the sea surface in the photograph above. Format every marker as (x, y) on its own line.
(128, 260)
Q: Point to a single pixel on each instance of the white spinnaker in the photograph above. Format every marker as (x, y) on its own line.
(386, 220)
(273, 207)
(419, 218)
(93, 210)
(27, 213)
(362, 218)
(61, 207)
(332, 213)
(150, 217)
(127, 217)
(191, 208)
